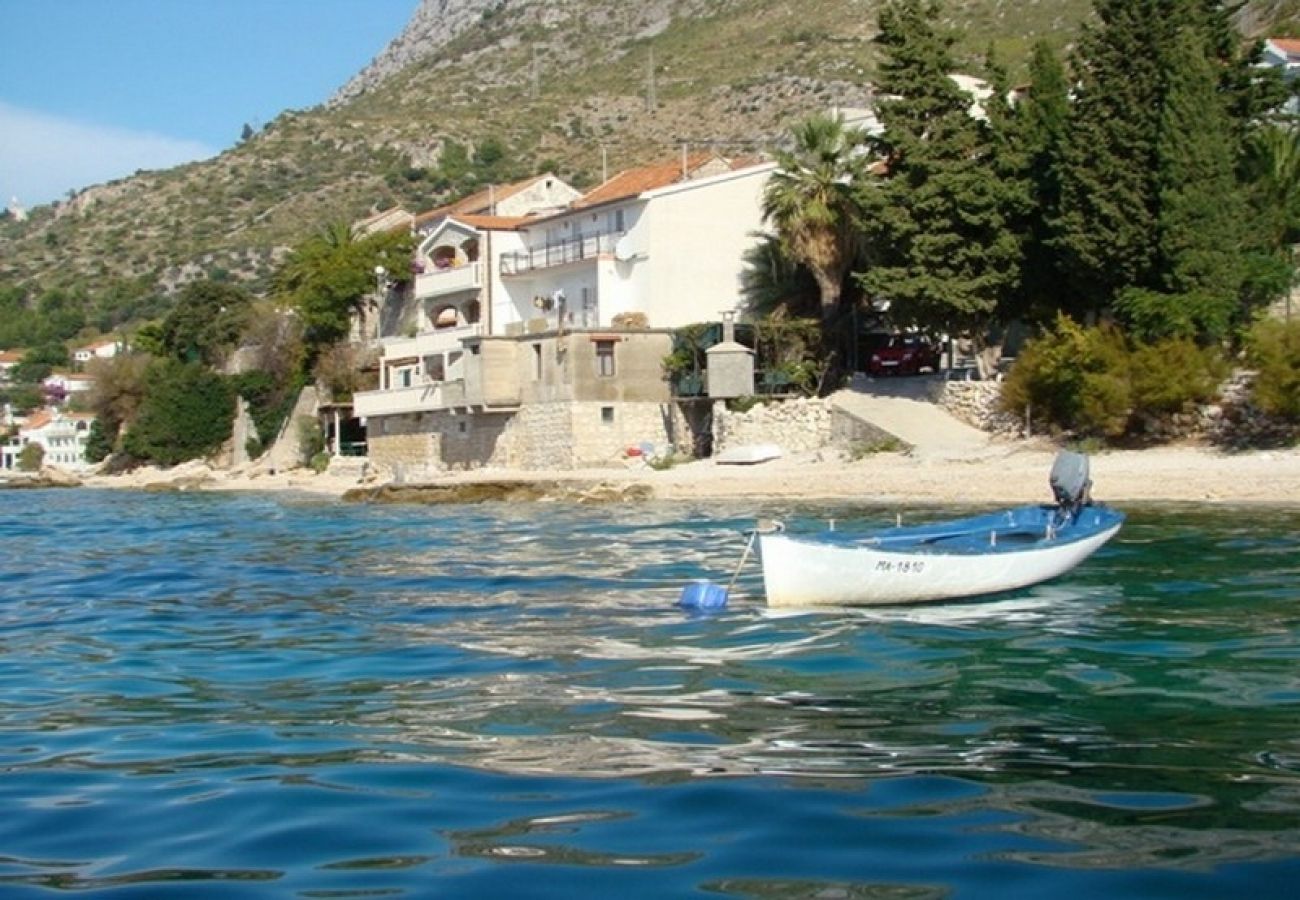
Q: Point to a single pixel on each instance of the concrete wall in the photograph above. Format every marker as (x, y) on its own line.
(286, 452)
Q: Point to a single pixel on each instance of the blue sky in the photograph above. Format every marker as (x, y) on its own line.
(92, 90)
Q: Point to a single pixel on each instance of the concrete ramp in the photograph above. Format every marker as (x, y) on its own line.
(903, 407)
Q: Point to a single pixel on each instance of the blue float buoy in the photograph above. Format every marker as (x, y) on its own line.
(703, 595)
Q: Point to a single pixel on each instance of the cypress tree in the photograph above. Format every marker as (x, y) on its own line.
(941, 247)
(1041, 124)
(1151, 220)
(1201, 225)
(1109, 189)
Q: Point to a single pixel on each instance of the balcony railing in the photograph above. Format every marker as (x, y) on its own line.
(559, 254)
(430, 342)
(452, 280)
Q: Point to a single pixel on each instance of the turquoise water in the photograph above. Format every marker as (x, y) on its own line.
(250, 696)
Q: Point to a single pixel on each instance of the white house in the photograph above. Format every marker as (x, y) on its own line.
(62, 434)
(104, 349)
(9, 359)
(562, 303)
(1284, 54)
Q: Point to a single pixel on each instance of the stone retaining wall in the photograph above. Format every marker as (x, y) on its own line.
(976, 403)
(796, 426)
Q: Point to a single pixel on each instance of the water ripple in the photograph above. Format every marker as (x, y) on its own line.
(278, 696)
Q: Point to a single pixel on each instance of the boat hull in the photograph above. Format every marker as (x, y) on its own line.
(811, 571)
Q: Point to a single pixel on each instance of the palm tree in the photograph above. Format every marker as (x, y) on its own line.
(810, 201)
(772, 282)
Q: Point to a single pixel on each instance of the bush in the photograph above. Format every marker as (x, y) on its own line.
(31, 457)
(1172, 376)
(1092, 382)
(311, 440)
(1073, 379)
(186, 413)
(1273, 348)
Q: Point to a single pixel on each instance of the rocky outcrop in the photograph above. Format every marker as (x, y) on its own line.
(504, 489)
(48, 477)
(1235, 422)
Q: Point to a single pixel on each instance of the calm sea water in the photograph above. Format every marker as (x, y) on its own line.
(252, 696)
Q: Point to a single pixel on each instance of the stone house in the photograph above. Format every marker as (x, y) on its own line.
(539, 318)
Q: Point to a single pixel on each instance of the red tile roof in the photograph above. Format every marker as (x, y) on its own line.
(38, 419)
(1289, 46)
(493, 223)
(478, 203)
(634, 182)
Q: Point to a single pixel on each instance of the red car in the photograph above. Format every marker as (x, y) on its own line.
(904, 354)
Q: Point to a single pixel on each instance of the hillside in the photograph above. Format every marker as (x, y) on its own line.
(576, 86)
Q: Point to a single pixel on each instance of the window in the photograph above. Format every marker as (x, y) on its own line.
(537, 362)
(607, 415)
(605, 359)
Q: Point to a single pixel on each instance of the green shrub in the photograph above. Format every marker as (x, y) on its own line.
(99, 442)
(311, 440)
(1073, 379)
(887, 444)
(1274, 350)
(31, 457)
(1170, 376)
(186, 413)
(1093, 382)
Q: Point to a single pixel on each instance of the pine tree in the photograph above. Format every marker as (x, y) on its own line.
(943, 252)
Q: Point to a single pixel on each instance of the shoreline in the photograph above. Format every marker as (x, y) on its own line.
(1012, 472)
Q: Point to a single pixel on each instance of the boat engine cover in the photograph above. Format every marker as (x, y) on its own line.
(1071, 485)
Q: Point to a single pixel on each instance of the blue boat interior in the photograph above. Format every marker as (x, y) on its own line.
(1009, 530)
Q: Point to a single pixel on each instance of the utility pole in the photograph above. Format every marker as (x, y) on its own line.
(651, 102)
(536, 74)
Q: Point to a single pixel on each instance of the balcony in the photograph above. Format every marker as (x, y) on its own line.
(561, 254)
(451, 280)
(443, 340)
(431, 395)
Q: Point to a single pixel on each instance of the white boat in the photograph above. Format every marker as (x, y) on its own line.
(983, 554)
(748, 455)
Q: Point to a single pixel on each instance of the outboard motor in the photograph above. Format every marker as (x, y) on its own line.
(1071, 485)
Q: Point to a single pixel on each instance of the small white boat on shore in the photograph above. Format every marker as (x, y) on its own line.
(959, 558)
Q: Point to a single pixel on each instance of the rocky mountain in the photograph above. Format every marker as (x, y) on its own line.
(489, 90)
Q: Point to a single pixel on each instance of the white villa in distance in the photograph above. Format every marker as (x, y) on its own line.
(62, 435)
(539, 317)
(102, 349)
